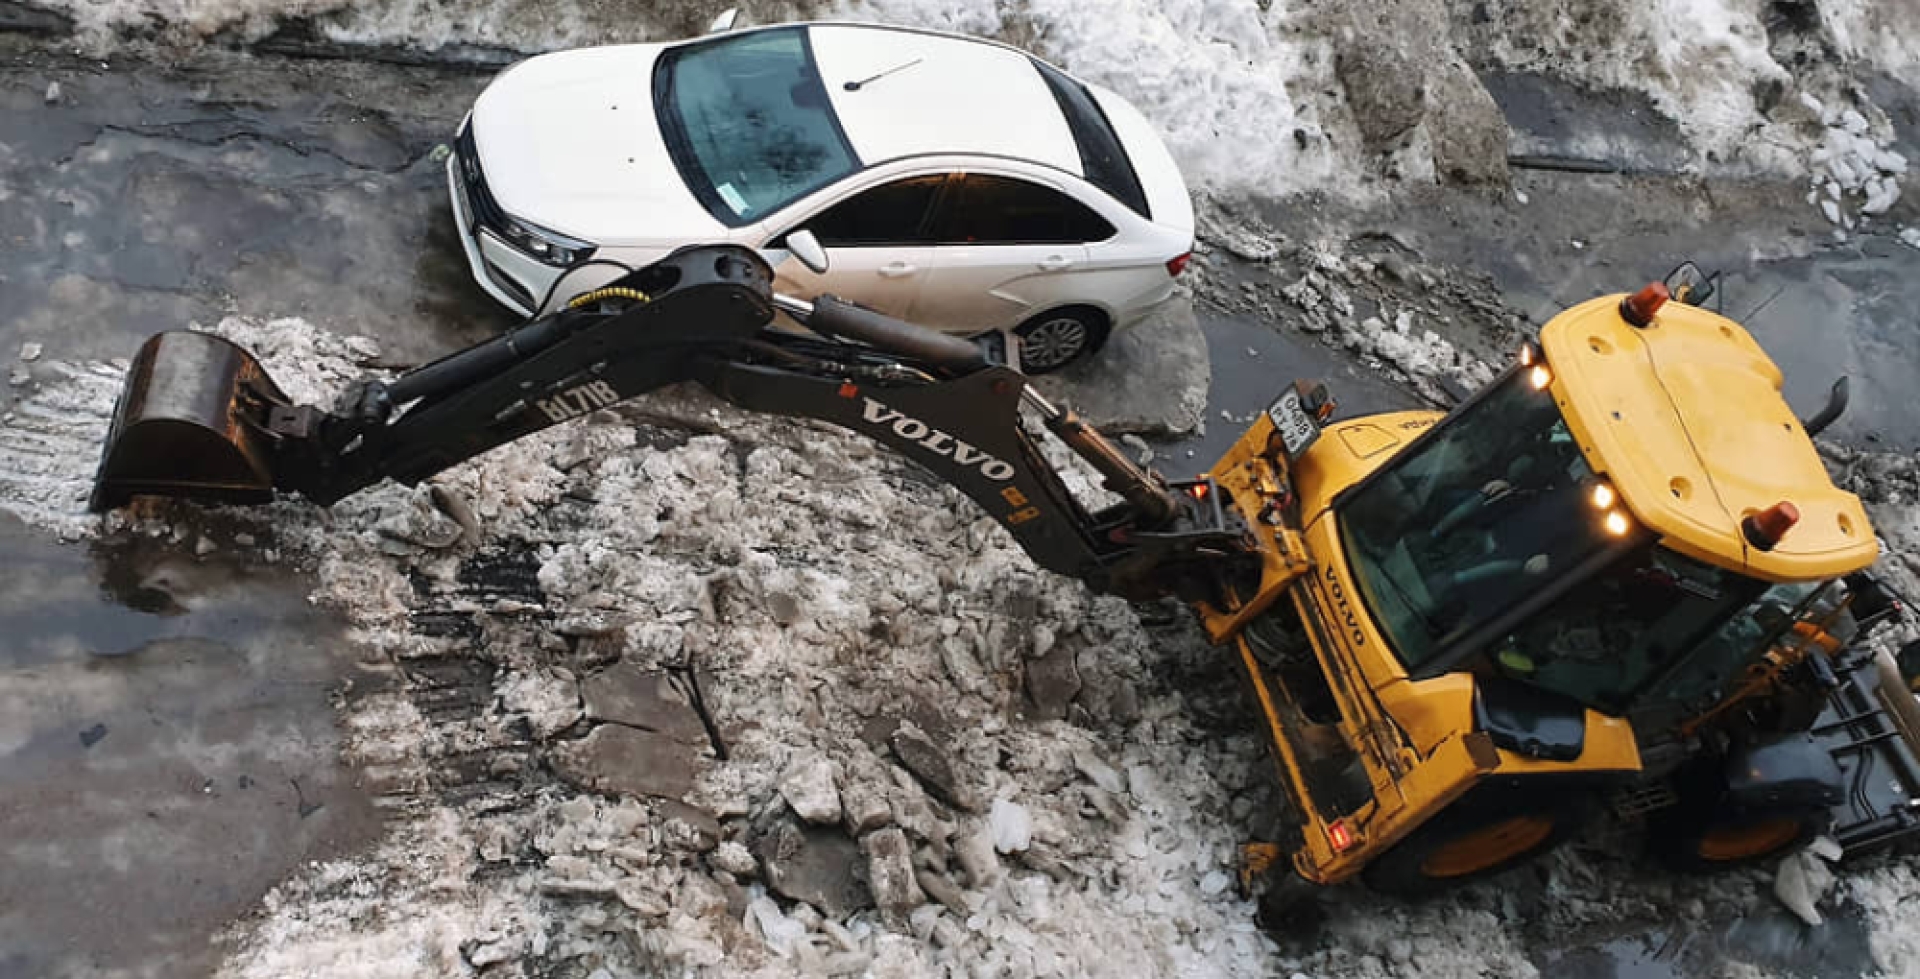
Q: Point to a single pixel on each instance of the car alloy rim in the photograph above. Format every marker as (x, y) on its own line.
(1053, 342)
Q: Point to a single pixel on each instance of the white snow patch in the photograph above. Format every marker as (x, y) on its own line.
(1012, 826)
(1225, 82)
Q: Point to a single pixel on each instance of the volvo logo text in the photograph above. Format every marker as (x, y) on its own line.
(936, 441)
(1348, 620)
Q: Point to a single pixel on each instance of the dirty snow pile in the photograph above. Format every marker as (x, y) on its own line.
(1855, 176)
(825, 594)
(1888, 484)
(940, 761)
(1257, 96)
(1373, 296)
(939, 758)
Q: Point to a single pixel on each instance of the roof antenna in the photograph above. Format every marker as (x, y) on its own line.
(856, 86)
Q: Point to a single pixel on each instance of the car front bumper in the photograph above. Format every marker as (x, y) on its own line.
(519, 282)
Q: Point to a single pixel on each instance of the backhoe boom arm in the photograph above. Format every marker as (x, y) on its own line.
(702, 315)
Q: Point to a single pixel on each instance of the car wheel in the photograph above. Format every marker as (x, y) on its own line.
(1059, 337)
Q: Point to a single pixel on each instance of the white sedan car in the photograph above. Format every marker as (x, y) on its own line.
(953, 182)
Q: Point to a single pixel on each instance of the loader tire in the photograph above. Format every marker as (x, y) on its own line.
(1716, 826)
(1705, 843)
(1496, 827)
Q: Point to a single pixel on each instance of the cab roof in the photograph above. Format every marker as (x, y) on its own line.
(939, 94)
(1686, 418)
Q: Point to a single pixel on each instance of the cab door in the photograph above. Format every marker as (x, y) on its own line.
(1004, 249)
(878, 250)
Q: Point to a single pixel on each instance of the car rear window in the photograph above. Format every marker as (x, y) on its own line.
(1101, 156)
(748, 124)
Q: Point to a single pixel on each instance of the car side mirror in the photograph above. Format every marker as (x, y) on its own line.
(806, 248)
(725, 21)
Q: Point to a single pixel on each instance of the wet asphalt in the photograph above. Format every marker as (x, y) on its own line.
(169, 750)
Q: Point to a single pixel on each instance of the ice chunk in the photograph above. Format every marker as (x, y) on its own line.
(1853, 121)
(1099, 772)
(1831, 210)
(1826, 848)
(1882, 194)
(1801, 881)
(779, 932)
(1011, 825)
(733, 857)
(808, 787)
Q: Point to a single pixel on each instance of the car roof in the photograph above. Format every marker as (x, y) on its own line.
(939, 93)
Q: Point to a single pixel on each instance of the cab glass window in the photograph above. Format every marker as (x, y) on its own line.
(1482, 515)
(890, 214)
(983, 209)
(1605, 639)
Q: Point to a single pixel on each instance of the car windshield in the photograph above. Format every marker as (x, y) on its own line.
(747, 121)
(1476, 519)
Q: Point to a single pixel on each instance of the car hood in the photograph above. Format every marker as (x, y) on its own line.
(569, 141)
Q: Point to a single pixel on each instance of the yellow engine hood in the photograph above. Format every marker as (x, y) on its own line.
(1686, 417)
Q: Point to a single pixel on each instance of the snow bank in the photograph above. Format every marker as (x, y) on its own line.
(824, 588)
(1246, 92)
(1230, 84)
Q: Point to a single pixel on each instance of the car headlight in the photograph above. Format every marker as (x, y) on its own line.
(546, 247)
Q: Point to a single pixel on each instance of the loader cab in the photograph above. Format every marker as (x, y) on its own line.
(1493, 547)
(1580, 524)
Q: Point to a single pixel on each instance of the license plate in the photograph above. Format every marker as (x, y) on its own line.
(1296, 427)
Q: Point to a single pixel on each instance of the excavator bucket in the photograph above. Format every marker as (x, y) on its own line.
(191, 423)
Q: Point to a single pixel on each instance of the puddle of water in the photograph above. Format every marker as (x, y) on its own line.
(1246, 382)
(1766, 939)
(1647, 956)
(167, 752)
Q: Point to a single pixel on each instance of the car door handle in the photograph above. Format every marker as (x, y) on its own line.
(897, 270)
(1054, 263)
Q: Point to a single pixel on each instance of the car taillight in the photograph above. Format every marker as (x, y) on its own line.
(1178, 264)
